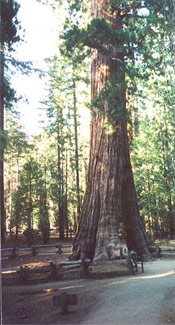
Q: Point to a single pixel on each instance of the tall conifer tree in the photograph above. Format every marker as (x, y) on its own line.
(120, 32)
(8, 36)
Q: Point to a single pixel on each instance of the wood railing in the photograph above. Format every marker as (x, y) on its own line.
(33, 248)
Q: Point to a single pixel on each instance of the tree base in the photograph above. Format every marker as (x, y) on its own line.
(108, 253)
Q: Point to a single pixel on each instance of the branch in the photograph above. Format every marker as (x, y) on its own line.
(125, 10)
(128, 8)
(132, 15)
(26, 67)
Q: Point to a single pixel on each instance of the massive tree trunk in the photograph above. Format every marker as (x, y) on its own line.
(110, 193)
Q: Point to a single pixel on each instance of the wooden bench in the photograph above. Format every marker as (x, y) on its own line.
(86, 269)
(56, 268)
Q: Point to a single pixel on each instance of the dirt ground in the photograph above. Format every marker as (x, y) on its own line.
(143, 299)
(147, 298)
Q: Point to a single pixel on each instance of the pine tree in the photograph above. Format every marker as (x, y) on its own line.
(8, 37)
(62, 110)
(157, 106)
(29, 190)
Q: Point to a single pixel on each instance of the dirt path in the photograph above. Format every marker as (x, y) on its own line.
(144, 299)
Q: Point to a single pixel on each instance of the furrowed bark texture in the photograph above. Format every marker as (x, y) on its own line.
(110, 193)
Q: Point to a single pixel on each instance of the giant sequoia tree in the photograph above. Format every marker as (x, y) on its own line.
(119, 33)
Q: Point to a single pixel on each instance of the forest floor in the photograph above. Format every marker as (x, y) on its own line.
(143, 299)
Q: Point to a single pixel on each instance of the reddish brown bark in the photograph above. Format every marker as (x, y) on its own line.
(110, 193)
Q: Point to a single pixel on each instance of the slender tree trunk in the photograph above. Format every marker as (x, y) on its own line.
(136, 118)
(45, 190)
(76, 146)
(171, 218)
(169, 184)
(149, 203)
(110, 193)
(168, 179)
(17, 223)
(17, 209)
(62, 190)
(60, 198)
(66, 197)
(10, 202)
(30, 218)
(2, 208)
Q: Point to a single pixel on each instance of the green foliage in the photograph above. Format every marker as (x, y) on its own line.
(16, 141)
(67, 94)
(100, 35)
(9, 22)
(9, 29)
(77, 6)
(153, 159)
(136, 42)
(112, 98)
(153, 150)
(29, 190)
(45, 189)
